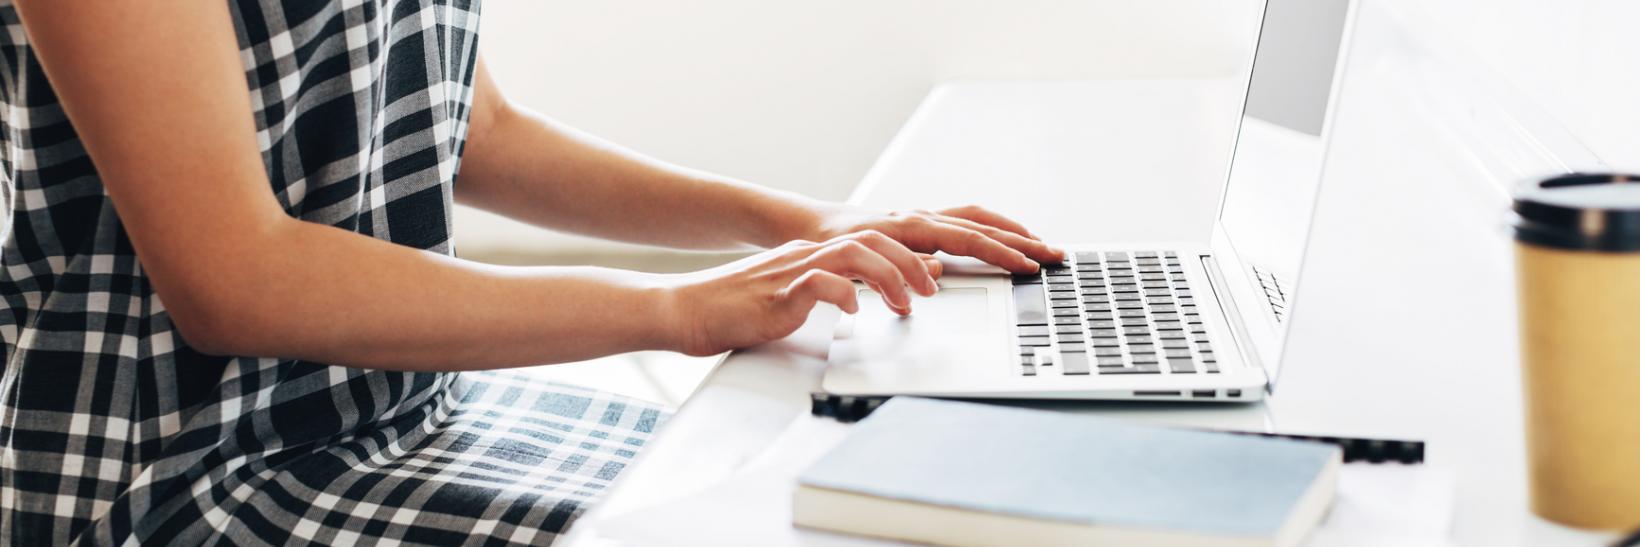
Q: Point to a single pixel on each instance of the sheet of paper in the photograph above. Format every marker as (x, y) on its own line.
(1390, 505)
(1377, 505)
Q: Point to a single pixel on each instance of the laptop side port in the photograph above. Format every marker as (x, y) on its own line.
(1157, 394)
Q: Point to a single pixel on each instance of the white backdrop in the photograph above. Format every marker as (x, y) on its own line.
(804, 94)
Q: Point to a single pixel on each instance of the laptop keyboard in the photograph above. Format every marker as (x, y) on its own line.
(1111, 313)
(1275, 290)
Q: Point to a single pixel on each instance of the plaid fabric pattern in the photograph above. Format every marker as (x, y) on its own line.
(114, 431)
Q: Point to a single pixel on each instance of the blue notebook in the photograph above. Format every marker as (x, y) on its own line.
(971, 474)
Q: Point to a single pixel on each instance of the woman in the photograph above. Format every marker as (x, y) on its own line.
(235, 315)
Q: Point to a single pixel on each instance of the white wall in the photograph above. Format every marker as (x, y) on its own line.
(1579, 59)
(803, 95)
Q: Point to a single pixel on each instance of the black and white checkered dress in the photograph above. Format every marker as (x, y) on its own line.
(114, 431)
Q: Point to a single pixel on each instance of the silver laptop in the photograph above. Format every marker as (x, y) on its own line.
(1203, 321)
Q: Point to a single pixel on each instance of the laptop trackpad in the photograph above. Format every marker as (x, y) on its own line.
(942, 331)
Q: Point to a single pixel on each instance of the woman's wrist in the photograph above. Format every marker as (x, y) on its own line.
(671, 318)
(789, 217)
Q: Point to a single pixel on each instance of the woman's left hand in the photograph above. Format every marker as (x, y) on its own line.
(964, 231)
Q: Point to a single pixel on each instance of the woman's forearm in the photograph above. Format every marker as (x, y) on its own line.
(525, 166)
(314, 292)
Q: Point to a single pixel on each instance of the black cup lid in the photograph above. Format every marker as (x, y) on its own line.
(1584, 211)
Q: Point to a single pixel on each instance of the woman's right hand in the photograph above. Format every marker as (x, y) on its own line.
(769, 295)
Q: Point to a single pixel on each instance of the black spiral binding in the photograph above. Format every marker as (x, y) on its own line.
(849, 408)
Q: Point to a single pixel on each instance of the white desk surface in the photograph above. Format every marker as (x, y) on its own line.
(1142, 160)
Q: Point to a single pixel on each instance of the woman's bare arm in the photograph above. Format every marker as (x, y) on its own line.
(528, 167)
(157, 94)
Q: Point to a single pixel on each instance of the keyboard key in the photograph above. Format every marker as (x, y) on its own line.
(1108, 361)
(1135, 322)
(1066, 312)
(1101, 324)
(1145, 254)
(1074, 363)
(1033, 341)
(1163, 308)
(1138, 340)
(1142, 358)
(1155, 292)
(1135, 330)
(1169, 325)
(1102, 333)
(1165, 316)
(1176, 344)
(1098, 305)
(1212, 368)
(1061, 278)
(1072, 347)
(1181, 353)
(1030, 305)
(1027, 369)
(1207, 357)
(1101, 316)
(1103, 342)
(1141, 348)
(1104, 351)
(1130, 313)
(1063, 320)
(1063, 304)
(1087, 257)
(1181, 366)
(1116, 257)
(1027, 279)
(1066, 328)
(1033, 330)
(1062, 287)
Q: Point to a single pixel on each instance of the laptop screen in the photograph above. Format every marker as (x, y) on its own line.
(1275, 171)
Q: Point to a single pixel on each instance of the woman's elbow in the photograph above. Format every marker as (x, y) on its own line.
(214, 329)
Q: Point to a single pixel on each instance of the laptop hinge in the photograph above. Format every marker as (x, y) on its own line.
(1232, 316)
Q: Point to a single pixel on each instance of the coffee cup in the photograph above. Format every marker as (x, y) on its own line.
(1577, 249)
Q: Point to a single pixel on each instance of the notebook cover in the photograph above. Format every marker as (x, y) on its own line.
(1056, 466)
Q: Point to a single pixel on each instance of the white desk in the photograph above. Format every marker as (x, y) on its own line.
(1377, 351)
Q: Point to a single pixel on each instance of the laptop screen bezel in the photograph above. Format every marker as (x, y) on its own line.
(1248, 305)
